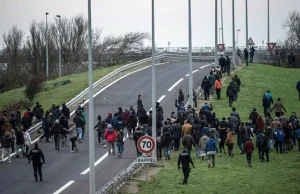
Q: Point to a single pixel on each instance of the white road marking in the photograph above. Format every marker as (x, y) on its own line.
(161, 98)
(192, 73)
(205, 66)
(96, 163)
(64, 187)
(172, 87)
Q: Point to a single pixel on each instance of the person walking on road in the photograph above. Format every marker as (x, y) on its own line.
(79, 124)
(248, 148)
(180, 97)
(72, 136)
(252, 51)
(27, 140)
(5, 143)
(120, 142)
(37, 157)
(110, 136)
(136, 136)
(218, 87)
(246, 55)
(185, 159)
(19, 142)
(205, 87)
(57, 130)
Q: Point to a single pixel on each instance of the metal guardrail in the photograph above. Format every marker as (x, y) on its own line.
(123, 178)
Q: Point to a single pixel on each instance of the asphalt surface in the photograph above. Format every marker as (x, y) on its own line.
(63, 166)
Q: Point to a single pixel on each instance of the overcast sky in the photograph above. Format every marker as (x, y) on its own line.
(120, 16)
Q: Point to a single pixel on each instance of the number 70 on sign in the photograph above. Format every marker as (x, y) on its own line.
(146, 144)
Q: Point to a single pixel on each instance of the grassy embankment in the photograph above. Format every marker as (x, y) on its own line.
(56, 94)
(232, 175)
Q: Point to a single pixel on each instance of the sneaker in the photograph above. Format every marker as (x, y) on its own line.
(72, 151)
(119, 155)
(104, 146)
(209, 166)
(41, 180)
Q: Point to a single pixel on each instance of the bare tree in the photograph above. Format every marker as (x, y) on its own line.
(292, 25)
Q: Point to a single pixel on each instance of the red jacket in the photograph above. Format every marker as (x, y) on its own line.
(260, 123)
(249, 146)
(110, 137)
(125, 117)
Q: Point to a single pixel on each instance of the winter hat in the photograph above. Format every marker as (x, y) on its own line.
(109, 126)
(254, 109)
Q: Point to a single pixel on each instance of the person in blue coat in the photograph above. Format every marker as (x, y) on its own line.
(279, 137)
(298, 88)
(211, 150)
(298, 138)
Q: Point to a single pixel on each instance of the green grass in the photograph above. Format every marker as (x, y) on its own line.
(59, 94)
(232, 175)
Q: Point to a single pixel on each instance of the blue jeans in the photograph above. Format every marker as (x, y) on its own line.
(241, 143)
(120, 147)
(79, 132)
(197, 151)
(167, 150)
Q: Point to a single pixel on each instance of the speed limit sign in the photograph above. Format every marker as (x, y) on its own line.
(146, 144)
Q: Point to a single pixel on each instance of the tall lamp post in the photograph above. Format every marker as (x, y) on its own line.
(59, 47)
(237, 38)
(47, 59)
(190, 58)
(216, 31)
(220, 35)
(222, 22)
(91, 106)
(247, 46)
(233, 35)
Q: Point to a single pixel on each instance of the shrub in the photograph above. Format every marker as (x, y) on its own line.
(33, 86)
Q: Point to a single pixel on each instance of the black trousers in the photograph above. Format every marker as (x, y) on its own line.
(299, 94)
(248, 156)
(186, 174)
(298, 144)
(218, 91)
(176, 143)
(267, 155)
(278, 144)
(221, 146)
(37, 168)
(230, 98)
(206, 93)
(57, 140)
(266, 110)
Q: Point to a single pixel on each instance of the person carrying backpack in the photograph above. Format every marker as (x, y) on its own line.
(259, 140)
(279, 137)
(110, 136)
(167, 140)
(159, 145)
(176, 134)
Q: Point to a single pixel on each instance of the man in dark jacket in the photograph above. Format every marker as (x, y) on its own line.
(222, 62)
(176, 134)
(252, 51)
(212, 79)
(246, 55)
(56, 130)
(65, 111)
(205, 87)
(227, 65)
(180, 97)
(188, 142)
(197, 136)
(167, 140)
(56, 113)
(185, 159)
(46, 127)
(230, 92)
(298, 88)
(79, 123)
(136, 136)
(19, 142)
(26, 122)
(37, 157)
(139, 102)
(6, 142)
(65, 125)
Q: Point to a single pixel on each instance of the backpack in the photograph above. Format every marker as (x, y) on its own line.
(167, 138)
(265, 102)
(238, 81)
(159, 141)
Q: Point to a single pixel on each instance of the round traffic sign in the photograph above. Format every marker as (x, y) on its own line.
(146, 144)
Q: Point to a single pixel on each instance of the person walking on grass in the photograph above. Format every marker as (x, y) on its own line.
(231, 92)
(298, 138)
(248, 148)
(211, 150)
(279, 108)
(185, 159)
(279, 137)
(120, 142)
(202, 145)
(205, 85)
(230, 142)
(110, 136)
(218, 87)
(265, 149)
(211, 79)
(188, 142)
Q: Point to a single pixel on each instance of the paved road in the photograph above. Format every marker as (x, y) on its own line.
(63, 166)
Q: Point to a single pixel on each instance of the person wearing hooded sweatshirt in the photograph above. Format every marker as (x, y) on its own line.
(6, 142)
(231, 92)
(65, 111)
(188, 142)
(253, 116)
(79, 123)
(211, 79)
(279, 137)
(202, 145)
(110, 136)
(26, 122)
(218, 87)
(27, 140)
(13, 121)
(270, 99)
(230, 142)
(259, 144)
(125, 117)
(108, 120)
(46, 127)
(205, 85)
(57, 130)
(180, 97)
(211, 150)
(279, 108)
(248, 149)
(265, 149)
(120, 142)
(260, 125)
(132, 124)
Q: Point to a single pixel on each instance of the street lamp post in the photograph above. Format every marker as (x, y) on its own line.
(237, 38)
(153, 80)
(190, 58)
(222, 22)
(268, 21)
(47, 59)
(247, 46)
(91, 106)
(233, 35)
(59, 47)
(216, 31)
(220, 35)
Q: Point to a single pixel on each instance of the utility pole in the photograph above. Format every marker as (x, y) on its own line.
(190, 58)
(216, 32)
(247, 46)
(222, 21)
(47, 59)
(233, 35)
